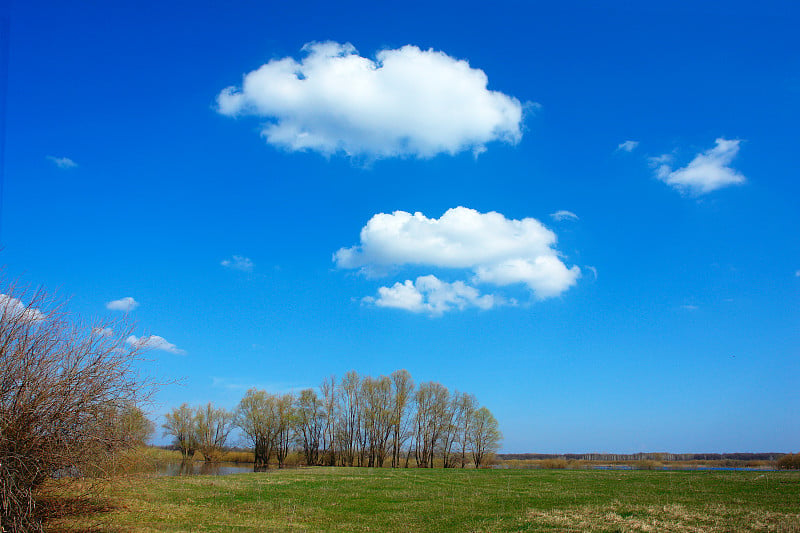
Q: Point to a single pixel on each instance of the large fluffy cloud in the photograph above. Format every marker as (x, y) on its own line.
(406, 102)
(708, 171)
(496, 249)
(429, 294)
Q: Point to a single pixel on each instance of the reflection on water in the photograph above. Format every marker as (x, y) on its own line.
(202, 468)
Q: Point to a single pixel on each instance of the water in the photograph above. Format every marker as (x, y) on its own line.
(201, 468)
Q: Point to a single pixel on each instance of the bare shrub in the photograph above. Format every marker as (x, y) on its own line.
(790, 461)
(68, 390)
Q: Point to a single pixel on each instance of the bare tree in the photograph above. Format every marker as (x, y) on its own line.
(432, 400)
(329, 405)
(180, 424)
(65, 384)
(377, 418)
(403, 388)
(212, 427)
(350, 412)
(464, 409)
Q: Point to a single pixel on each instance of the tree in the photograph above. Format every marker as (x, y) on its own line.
(485, 435)
(432, 400)
(284, 417)
(180, 424)
(212, 427)
(310, 425)
(132, 424)
(464, 407)
(329, 405)
(254, 416)
(65, 384)
(402, 391)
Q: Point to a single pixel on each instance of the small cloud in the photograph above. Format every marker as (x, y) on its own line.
(62, 162)
(238, 262)
(428, 294)
(154, 342)
(708, 171)
(797, 273)
(12, 308)
(103, 332)
(238, 385)
(564, 215)
(690, 307)
(123, 304)
(627, 146)
(593, 270)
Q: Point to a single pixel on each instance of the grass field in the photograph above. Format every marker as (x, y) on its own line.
(360, 499)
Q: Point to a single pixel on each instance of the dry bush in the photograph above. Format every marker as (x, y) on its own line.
(553, 463)
(238, 457)
(790, 461)
(68, 395)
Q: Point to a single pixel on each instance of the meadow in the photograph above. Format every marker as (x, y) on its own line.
(488, 500)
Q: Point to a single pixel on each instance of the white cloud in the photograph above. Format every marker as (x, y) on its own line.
(690, 307)
(797, 273)
(627, 146)
(708, 171)
(154, 342)
(406, 102)
(103, 332)
(564, 215)
(62, 162)
(498, 250)
(239, 262)
(429, 294)
(593, 270)
(13, 309)
(123, 304)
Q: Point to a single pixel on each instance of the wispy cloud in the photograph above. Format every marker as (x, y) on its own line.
(708, 171)
(627, 146)
(13, 308)
(103, 332)
(238, 262)
(62, 162)
(154, 342)
(405, 102)
(690, 307)
(564, 215)
(123, 304)
(242, 385)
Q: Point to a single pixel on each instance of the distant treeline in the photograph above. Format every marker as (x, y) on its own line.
(354, 421)
(644, 456)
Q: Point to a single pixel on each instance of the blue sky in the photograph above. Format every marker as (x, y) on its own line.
(662, 314)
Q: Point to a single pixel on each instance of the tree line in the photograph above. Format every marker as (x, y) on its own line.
(355, 421)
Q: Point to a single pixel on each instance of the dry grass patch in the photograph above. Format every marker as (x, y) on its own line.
(672, 518)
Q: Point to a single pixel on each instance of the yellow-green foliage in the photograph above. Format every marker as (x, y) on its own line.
(238, 457)
(790, 461)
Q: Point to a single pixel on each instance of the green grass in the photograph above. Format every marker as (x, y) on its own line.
(360, 499)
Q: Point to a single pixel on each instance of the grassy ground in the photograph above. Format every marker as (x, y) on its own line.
(360, 499)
